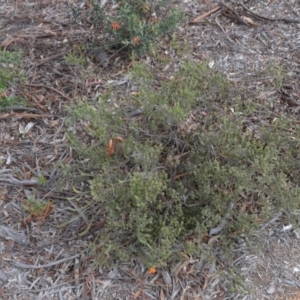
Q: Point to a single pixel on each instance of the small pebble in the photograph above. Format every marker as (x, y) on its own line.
(271, 290)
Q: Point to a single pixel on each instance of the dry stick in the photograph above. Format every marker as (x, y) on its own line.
(10, 179)
(236, 16)
(221, 27)
(50, 88)
(287, 20)
(3, 295)
(43, 61)
(81, 213)
(25, 116)
(19, 108)
(198, 19)
(277, 216)
(24, 266)
(38, 36)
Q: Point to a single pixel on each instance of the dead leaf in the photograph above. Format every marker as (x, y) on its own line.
(47, 211)
(3, 295)
(111, 147)
(205, 283)
(162, 295)
(183, 265)
(137, 294)
(3, 193)
(181, 175)
(249, 21)
(119, 138)
(25, 129)
(9, 40)
(212, 239)
(54, 123)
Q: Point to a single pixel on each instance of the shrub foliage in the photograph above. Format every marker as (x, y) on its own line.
(136, 24)
(10, 72)
(195, 150)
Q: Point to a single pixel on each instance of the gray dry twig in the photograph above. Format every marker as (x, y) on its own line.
(24, 266)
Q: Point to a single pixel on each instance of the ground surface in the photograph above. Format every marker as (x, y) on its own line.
(46, 31)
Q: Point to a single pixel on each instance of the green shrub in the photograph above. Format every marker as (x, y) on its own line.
(135, 24)
(10, 71)
(178, 166)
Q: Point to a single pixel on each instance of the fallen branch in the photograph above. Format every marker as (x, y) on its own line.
(200, 18)
(277, 216)
(232, 14)
(50, 88)
(10, 179)
(24, 116)
(223, 30)
(24, 266)
(46, 59)
(257, 16)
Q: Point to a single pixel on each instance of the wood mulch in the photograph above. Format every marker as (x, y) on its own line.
(40, 258)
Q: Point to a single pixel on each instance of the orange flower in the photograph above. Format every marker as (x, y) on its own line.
(115, 26)
(152, 271)
(136, 41)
